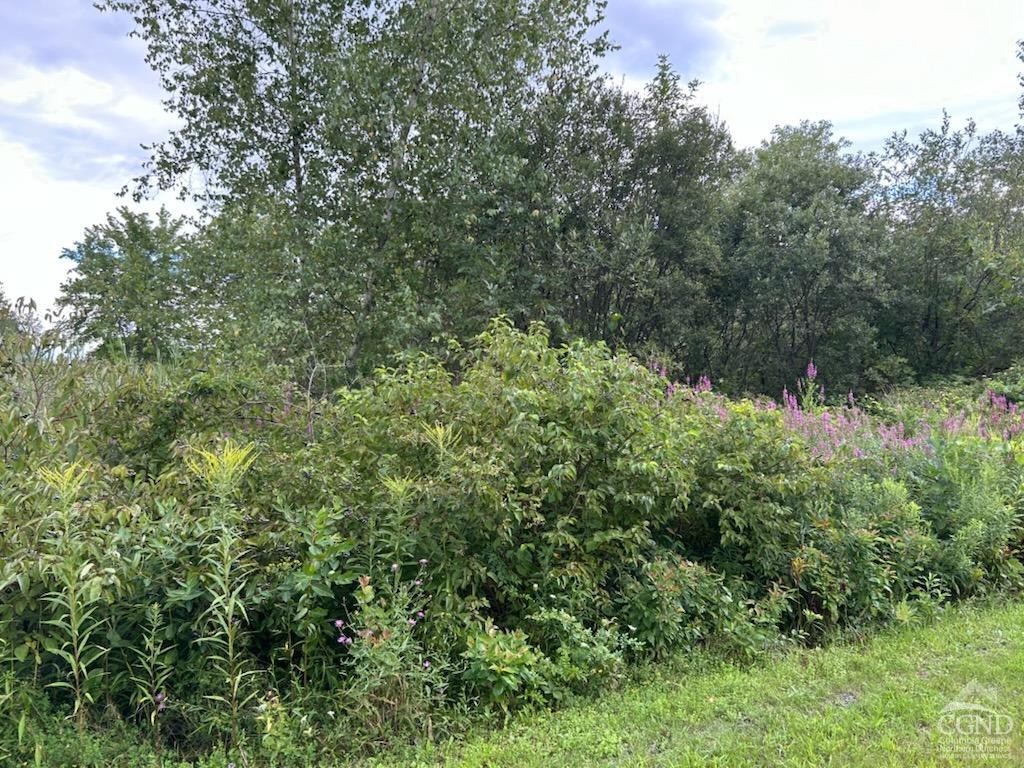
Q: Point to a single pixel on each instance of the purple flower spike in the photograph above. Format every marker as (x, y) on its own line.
(812, 372)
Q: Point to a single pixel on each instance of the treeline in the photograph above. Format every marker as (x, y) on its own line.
(373, 178)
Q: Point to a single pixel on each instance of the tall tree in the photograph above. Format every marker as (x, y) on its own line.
(370, 134)
(634, 192)
(955, 201)
(128, 292)
(802, 250)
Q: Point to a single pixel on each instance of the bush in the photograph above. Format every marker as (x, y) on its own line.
(180, 546)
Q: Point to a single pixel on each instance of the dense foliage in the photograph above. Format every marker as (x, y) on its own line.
(372, 178)
(276, 489)
(217, 561)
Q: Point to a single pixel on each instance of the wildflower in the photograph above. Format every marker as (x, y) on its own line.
(812, 372)
(394, 567)
(341, 638)
(426, 665)
(412, 622)
(339, 623)
(419, 614)
(423, 561)
(418, 582)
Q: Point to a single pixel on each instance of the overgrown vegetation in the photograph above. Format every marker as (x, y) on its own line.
(882, 701)
(216, 564)
(278, 489)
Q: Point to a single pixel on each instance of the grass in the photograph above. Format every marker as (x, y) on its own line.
(875, 703)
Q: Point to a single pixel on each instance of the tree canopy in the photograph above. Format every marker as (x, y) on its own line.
(374, 178)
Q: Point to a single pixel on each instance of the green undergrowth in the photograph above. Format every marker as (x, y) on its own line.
(881, 701)
(218, 564)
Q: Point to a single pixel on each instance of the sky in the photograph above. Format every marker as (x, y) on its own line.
(77, 99)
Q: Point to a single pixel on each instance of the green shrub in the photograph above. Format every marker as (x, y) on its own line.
(179, 546)
(579, 659)
(501, 667)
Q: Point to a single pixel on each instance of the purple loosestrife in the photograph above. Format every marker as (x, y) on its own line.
(827, 432)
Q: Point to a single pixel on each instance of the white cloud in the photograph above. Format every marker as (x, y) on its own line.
(66, 139)
(65, 97)
(41, 215)
(870, 67)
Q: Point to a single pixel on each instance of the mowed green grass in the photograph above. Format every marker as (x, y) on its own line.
(876, 703)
